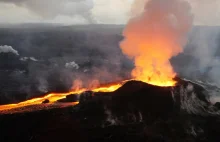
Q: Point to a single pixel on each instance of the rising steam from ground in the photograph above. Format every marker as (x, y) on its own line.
(154, 36)
(7, 49)
(201, 57)
(205, 44)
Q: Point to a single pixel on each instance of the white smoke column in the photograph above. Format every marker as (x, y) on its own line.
(156, 35)
(8, 49)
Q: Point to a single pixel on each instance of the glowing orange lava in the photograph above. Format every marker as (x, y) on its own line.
(53, 97)
(156, 34)
(151, 59)
(152, 65)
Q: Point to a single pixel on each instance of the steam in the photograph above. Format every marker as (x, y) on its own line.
(28, 58)
(54, 8)
(72, 65)
(204, 47)
(8, 49)
(42, 85)
(154, 36)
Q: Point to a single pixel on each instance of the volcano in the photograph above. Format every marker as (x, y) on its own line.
(136, 111)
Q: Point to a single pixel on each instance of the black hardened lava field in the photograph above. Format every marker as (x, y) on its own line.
(135, 112)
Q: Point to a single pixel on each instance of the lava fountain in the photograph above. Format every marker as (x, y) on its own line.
(153, 37)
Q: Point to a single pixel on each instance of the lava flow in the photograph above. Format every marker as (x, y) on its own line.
(53, 97)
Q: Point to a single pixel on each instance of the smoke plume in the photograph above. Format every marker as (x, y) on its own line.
(203, 48)
(154, 36)
(7, 49)
(72, 65)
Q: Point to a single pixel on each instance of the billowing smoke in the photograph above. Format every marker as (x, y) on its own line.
(201, 58)
(203, 49)
(154, 36)
(205, 45)
(8, 49)
(53, 8)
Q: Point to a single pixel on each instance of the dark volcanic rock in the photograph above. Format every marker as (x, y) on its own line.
(46, 101)
(135, 112)
(86, 96)
(217, 105)
(70, 98)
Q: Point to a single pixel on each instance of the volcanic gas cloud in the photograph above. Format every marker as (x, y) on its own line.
(154, 36)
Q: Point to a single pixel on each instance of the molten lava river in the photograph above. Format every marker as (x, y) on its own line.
(54, 97)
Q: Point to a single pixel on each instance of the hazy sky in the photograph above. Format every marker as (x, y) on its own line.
(207, 12)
